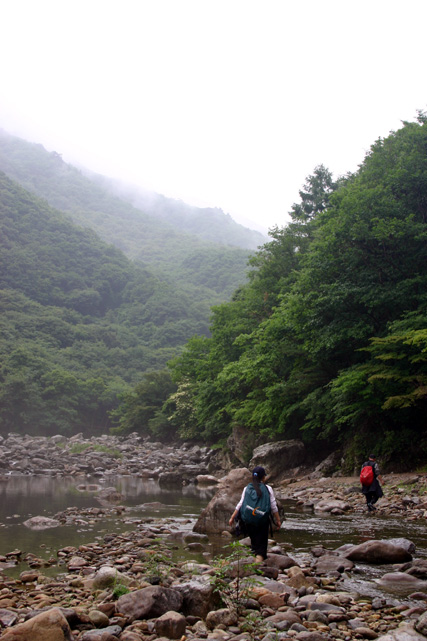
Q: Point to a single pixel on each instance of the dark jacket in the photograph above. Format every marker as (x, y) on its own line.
(375, 486)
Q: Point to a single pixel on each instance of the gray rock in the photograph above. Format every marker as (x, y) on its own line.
(149, 602)
(401, 542)
(50, 624)
(108, 576)
(378, 552)
(332, 563)
(421, 624)
(278, 457)
(328, 505)
(279, 561)
(7, 618)
(99, 619)
(170, 625)
(198, 596)
(404, 632)
(214, 518)
(224, 616)
(41, 523)
(110, 633)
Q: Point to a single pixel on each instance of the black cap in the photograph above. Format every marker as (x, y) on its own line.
(259, 472)
(372, 456)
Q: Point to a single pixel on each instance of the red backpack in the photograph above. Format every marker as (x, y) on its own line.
(367, 475)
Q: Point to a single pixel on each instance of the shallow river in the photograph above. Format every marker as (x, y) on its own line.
(23, 496)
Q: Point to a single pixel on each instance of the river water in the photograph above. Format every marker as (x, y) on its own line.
(24, 496)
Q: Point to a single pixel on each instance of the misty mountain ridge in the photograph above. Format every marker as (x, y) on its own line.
(137, 221)
(208, 223)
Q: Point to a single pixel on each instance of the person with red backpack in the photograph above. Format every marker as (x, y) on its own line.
(256, 505)
(370, 479)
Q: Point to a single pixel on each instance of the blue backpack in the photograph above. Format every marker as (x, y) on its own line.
(256, 509)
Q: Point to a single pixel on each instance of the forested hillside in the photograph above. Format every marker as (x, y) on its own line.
(169, 236)
(328, 340)
(80, 322)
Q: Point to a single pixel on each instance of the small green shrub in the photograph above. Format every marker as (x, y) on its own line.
(119, 590)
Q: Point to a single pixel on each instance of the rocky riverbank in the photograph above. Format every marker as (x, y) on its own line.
(128, 586)
(107, 455)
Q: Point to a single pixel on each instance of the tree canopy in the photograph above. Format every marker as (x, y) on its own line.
(327, 341)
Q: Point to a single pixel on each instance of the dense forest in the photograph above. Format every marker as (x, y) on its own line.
(328, 340)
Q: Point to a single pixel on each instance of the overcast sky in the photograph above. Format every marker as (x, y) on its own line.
(226, 103)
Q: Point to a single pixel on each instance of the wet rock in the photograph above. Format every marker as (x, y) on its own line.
(418, 569)
(401, 542)
(401, 581)
(214, 518)
(47, 626)
(170, 625)
(41, 523)
(329, 505)
(333, 563)
(378, 552)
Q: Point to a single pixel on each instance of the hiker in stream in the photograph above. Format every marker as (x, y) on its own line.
(370, 478)
(256, 505)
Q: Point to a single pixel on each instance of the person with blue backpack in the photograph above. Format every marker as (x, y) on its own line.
(256, 505)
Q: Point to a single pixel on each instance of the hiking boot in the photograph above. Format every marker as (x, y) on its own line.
(370, 507)
(259, 559)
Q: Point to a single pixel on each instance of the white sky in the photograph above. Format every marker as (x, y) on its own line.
(227, 103)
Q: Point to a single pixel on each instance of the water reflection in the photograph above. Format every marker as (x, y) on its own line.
(25, 496)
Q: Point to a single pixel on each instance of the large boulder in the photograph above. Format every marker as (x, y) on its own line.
(47, 626)
(214, 518)
(149, 602)
(279, 457)
(378, 552)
